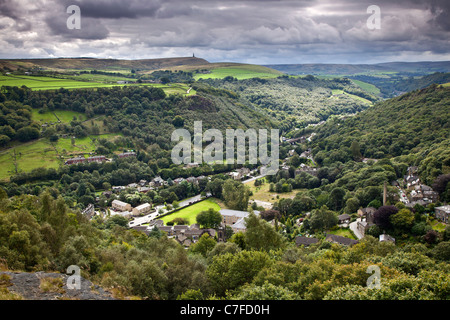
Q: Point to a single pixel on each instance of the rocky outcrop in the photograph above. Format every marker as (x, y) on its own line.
(51, 286)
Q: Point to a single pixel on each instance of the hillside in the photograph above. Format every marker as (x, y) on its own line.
(409, 127)
(386, 80)
(143, 66)
(297, 101)
(111, 114)
(101, 64)
(353, 69)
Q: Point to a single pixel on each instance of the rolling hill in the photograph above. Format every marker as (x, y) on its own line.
(423, 68)
(143, 66)
(101, 64)
(412, 128)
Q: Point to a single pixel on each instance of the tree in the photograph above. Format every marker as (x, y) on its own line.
(336, 198)
(351, 205)
(4, 140)
(239, 239)
(442, 251)
(266, 291)
(116, 220)
(295, 161)
(442, 186)
(323, 219)
(381, 217)
(229, 271)
(431, 236)
(236, 195)
(356, 151)
(403, 219)
(209, 219)
(204, 245)
(260, 235)
(27, 133)
(178, 121)
(269, 215)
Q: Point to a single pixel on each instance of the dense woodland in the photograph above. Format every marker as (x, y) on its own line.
(297, 101)
(394, 84)
(41, 227)
(410, 129)
(41, 233)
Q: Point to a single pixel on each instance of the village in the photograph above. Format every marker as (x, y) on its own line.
(145, 216)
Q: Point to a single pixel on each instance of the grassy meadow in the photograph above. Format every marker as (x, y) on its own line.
(262, 193)
(240, 72)
(43, 153)
(190, 213)
(91, 81)
(64, 116)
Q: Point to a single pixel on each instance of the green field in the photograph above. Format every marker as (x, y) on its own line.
(64, 116)
(240, 72)
(343, 232)
(367, 87)
(191, 212)
(42, 153)
(338, 92)
(47, 83)
(262, 193)
(30, 155)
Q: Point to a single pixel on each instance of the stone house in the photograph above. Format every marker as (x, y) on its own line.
(120, 205)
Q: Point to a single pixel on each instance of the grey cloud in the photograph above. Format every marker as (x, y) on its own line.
(116, 9)
(91, 29)
(8, 8)
(266, 31)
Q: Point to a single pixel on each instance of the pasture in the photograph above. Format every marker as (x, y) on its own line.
(42, 153)
(48, 83)
(240, 72)
(190, 213)
(64, 116)
(262, 192)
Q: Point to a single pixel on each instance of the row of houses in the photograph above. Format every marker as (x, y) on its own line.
(98, 159)
(184, 234)
(307, 241)
(76, 160)
(145, 186)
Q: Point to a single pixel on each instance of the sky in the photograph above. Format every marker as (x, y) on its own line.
(255, 31)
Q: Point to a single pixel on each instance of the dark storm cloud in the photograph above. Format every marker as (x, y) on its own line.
(92, 29)
(8, 8)
(116, 9)
(259, 31)
(441, 9)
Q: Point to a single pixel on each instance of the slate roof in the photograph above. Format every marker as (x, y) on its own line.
(306, 241)
(340, 240)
